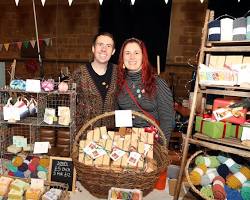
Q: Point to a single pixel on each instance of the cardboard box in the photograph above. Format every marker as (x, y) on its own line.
(172, 185)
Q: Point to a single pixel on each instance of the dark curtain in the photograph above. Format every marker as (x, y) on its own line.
(147, 20)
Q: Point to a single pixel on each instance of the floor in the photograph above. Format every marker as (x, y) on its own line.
(154, 195)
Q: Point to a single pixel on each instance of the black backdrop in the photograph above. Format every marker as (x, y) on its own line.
(147, 20)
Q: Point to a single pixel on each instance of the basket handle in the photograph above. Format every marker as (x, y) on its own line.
(109, 114)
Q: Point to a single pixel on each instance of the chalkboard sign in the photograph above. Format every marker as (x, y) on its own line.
(62, 170)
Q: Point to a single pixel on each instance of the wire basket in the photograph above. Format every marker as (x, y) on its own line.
(190, 160)
(98, 181)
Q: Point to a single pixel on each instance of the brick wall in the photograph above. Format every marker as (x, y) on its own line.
(71, 29)
(187, 19)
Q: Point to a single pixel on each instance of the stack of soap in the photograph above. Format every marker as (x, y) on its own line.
(52, 194)
(4, 185)
(33, 194)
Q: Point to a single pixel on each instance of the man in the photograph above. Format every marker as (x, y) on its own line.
(96, 83)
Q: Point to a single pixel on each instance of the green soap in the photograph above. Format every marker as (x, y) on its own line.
(233, 131)
(41, 168)
(198, 121)
(11, 167)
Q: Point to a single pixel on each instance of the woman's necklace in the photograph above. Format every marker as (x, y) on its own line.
(139, 90)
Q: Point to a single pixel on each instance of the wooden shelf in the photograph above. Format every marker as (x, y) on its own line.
(228, 43)
(241, 49)
(233, 142)
(226, 92)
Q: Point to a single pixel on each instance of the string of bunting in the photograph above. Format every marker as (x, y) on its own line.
(25, 44)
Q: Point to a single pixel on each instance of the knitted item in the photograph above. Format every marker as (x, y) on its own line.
(44, 162)
(195, 175)
(207, 178)
(19, 174)
(41, 168)
(245, 190)
(248, 28)
(218, 188)
(207, 192)
(223, 171)
(232, 194)
(17, 161)
(236, 180)
(239, 28)
(231, 164)
(214, 30)
(23, 167)
(11, 167)
(27, 174)
(226, 29)
(209, 161)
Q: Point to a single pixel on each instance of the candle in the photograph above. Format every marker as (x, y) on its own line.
(158, 65)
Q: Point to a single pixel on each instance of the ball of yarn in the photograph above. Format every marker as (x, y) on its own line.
(17, 161)
(232, 194)
(231, 164)
(206, 191)
(236, 180)
(23, 167)
(29, 158)
(33, 174)
(195, 175)
(26, 161)
(27, 173)
(32, 167)
(41, 168)
(35, 161)
(207, 178)
(223, 170)
(11, 167)
(10, 173)
(63, 87)
(218, 188)
(209, 161)
(245, 190)
(42, 175)
(19, 174)
(44, 162)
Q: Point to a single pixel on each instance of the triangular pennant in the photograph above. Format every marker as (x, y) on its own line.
(132, 2)
(70, 2)
(47, 41)
(40, 42)
(6, 46)
(166, 1)
(19, 45)
(43, 2)
(33, 43)
(100, 1)
(202, 1)
(26, 44)
(1, 47)
(17, 2)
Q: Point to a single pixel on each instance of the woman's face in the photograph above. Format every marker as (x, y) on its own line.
(132, 57)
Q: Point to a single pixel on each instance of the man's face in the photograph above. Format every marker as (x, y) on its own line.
(103, 49)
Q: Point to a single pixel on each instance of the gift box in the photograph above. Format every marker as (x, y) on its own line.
(236, 115)
(213, 129)
(236, 131)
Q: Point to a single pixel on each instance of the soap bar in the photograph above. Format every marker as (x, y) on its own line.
(14, 149)
(97, 134)
(33, 194)
(19, 185)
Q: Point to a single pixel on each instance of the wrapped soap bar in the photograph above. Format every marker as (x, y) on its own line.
(135, 134)
(81, 153)
(104, 133)
(98, 161)
(50, 196)
(14, 149)
(56, 191)
(19, 185)
(90, 135)
(106, 158)
(143, 135)
(111, 135)
(33, 194)
(97, 134)
(15, 194)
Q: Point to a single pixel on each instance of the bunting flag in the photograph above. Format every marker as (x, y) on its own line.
(70, 2)
(25, 44)
(47, 41)
(17, 2)
(33, 43)
(202, 1)
(19, 45)
(43, 2)
(132, 2)
(100, 1)
(6, 46)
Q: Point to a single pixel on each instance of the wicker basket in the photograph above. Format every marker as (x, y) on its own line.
(98, 181)
(190, 160)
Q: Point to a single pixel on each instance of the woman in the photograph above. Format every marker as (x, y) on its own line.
(96, 83)
(141, 90)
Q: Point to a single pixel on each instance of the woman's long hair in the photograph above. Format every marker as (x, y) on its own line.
(148, 75)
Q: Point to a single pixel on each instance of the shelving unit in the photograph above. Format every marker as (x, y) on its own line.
(29, 126)
(228, 145)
